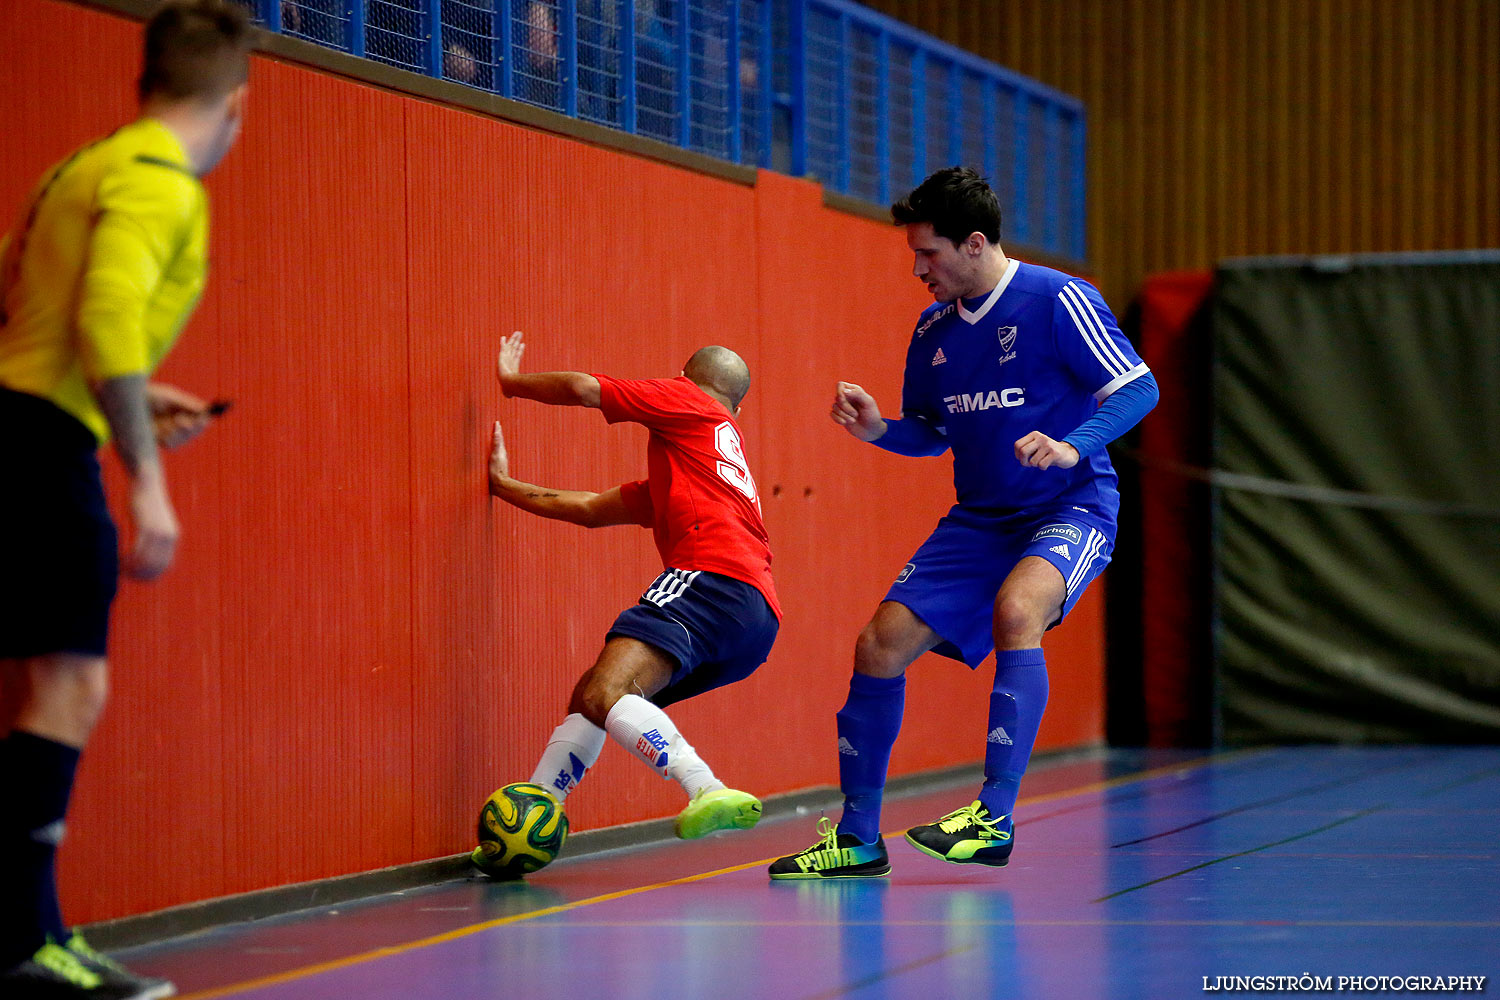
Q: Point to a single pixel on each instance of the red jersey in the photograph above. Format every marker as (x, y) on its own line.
(699, 498)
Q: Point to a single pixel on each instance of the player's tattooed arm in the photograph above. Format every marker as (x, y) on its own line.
(556, 388)
(177, 416)
(592, 510)
(124, 402)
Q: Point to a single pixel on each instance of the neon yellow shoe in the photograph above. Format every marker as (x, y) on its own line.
(967, 836)
(720, 809)
(116, 976)
(56, 973)
(837, 855)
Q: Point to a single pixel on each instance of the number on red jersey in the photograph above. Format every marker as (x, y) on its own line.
(734, 470)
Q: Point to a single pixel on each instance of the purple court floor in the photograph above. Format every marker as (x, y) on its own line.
(1134, 876)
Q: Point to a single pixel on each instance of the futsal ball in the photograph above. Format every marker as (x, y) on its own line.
(521, 829)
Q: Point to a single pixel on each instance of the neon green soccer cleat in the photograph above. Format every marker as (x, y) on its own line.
(720, 809)
(56, 972)
(835, 856)
(966, 836)
(116, 976)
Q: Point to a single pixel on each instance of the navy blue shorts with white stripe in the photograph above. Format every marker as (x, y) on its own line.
(952, 580)
(718, 629)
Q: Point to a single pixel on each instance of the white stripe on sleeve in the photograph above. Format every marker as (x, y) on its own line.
(1098, 341)
(1114, 384)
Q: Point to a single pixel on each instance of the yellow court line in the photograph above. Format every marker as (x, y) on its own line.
(1129, 779)
(396, 949)
(461, 932)
(690, 924)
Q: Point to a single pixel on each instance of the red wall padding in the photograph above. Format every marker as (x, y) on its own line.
(1174, 513)
(357, 644)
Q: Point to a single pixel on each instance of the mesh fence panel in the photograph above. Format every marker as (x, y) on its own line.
(1003, 171)
(469, 43)
(536, 47)
(864, 115)
(1062, 212)
(971, 122)
(1037, 179)
(903, 128)
(937, 116)
(824, 67)
(656, 51)
(323, 21)
(601, 76)
(396, 33)
(689, 70)
(753, 138)
(708, 77)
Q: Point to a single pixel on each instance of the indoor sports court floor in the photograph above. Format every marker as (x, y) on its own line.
(1135, 875)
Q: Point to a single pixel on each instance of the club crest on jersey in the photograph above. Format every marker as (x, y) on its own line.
(926, 323)
(1007, 336)
(970, 402)
(1067, 531)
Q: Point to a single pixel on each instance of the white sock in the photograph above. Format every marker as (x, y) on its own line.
(571, 751)
(644, 730)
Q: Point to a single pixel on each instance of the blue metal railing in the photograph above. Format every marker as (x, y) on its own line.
(819, 88)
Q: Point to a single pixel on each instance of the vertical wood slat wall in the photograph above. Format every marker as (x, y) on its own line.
(1219, 128)
(356, 643)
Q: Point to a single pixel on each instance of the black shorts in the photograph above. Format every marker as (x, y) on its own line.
(59, 558)
(718, 629)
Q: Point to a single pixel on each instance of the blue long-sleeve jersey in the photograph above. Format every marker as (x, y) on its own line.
(1038, 354)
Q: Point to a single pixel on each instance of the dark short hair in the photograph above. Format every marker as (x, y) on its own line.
(956, 201)
(195, 49)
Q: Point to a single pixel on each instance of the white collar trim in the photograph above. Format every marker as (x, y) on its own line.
(978, 314)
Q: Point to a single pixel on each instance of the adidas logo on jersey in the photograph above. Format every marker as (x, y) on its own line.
(999, 735)
(846, 748)
(939, 358)
(1062, 550)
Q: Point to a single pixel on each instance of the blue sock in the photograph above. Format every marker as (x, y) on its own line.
(1016, 707)
(38, 781)
(868, 724)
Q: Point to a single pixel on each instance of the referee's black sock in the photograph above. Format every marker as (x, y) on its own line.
(37, 774)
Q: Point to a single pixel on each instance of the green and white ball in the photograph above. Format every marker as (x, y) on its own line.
(521, 828)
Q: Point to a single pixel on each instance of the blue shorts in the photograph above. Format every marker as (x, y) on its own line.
(718, 629)
(61, 565)
(952, 580)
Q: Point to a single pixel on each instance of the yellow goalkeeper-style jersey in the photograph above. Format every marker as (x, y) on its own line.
(102, 270)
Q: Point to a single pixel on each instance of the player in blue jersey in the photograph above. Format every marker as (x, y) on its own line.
(1023, 372)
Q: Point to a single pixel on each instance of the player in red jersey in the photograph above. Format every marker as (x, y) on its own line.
(712, 615)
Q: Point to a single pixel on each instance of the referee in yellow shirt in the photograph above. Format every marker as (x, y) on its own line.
(104, 266)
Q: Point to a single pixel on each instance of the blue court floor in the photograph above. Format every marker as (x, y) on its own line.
(1134, 876)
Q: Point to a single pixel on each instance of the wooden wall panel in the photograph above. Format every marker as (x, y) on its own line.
(358, 644)
(1225, 129)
